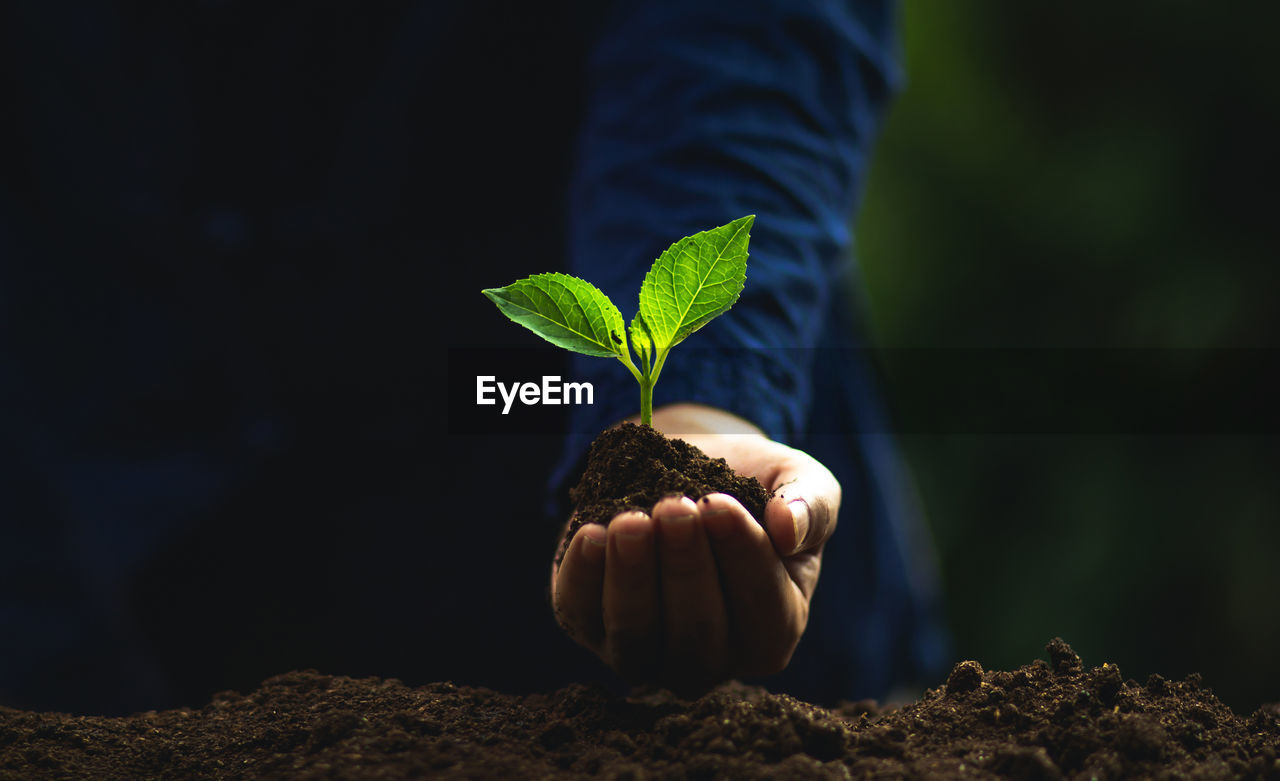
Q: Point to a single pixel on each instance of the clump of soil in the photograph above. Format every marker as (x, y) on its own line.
(1042, 721)
(631, 467)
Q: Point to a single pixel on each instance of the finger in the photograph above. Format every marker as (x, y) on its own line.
(767, 613)
(630, 610)
(695, 621)
(577, 588)
(801, 516)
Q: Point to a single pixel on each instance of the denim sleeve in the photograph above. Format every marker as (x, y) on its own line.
(701, 112)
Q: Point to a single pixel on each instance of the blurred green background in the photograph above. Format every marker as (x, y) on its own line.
(1089, 175)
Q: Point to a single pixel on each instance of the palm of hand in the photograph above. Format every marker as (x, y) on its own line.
(694, 593)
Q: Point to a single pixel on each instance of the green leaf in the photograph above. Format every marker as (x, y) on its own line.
(566, 311)
(696, 280)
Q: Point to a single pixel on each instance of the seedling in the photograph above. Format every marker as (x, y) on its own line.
(695, 281)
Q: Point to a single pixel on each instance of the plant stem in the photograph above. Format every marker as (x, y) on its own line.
(646, 401)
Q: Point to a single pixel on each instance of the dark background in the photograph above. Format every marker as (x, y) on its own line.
(1092, 181)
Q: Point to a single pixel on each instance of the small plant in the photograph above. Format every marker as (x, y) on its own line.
(695, 281)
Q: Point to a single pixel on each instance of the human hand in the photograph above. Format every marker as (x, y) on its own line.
(695, 593)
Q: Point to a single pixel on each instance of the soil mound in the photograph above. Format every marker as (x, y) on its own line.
(631, 467)
(1043, 721)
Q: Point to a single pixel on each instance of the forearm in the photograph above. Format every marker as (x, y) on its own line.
(699, 114)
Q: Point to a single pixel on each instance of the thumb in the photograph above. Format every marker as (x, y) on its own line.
(801, 515)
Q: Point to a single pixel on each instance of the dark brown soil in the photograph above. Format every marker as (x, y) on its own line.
(631, 467)
(1042, 721)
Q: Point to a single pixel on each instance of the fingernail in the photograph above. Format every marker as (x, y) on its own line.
(717, 523)
(708, 509)
(677, 531)
(592, 543)
(632, 547)
(799, 521)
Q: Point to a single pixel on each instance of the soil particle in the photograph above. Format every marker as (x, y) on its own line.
(632, 467)
(1063, 660)
(1042, 721)
(965, 677)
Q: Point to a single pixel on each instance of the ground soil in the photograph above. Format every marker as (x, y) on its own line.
(631, 467)
(1042, 721)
